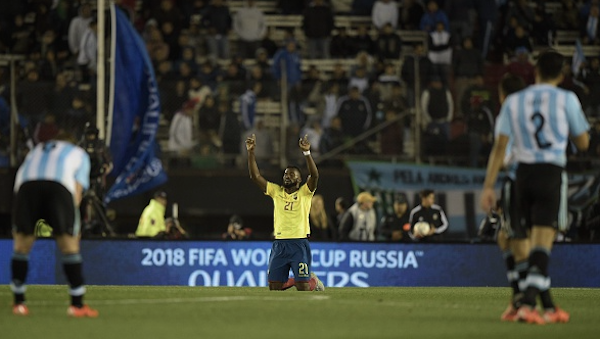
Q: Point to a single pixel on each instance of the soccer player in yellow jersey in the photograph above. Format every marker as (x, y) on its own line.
(292, 200)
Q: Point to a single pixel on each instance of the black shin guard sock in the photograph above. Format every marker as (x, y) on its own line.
(509, 260)
(72, 267)
(521, 269)
(538, 266)
(19, 266)
(546, 298)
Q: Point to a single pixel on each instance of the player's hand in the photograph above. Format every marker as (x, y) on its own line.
(304, 144)
(251, 142)
(431, 230)
(488, 199)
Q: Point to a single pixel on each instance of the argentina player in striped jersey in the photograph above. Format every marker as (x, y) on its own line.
(538, 122)
(49, 185)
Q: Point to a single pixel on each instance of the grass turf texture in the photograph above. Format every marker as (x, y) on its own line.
(247, 313)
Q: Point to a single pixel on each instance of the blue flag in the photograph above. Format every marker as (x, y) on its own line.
(135, 114)
(578, 58)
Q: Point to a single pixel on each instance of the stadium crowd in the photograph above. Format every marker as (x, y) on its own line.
(219, 67)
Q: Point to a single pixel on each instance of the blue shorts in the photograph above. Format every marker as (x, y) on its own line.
(286, 254)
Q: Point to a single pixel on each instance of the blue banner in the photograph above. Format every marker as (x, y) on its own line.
(240, 263)
(136, 114)
(460, 186)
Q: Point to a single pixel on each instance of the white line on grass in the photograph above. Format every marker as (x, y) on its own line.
(181, 300)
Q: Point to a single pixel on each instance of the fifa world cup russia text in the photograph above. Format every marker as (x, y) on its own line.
(248, 267)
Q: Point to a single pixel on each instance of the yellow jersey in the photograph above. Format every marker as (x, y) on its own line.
(290, 213)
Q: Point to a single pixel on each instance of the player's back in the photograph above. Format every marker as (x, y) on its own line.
(539, 120)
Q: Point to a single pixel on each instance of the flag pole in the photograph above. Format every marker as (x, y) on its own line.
(100, 67)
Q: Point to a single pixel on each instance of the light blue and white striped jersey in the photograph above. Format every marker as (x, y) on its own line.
(538, 121)
(58, 161)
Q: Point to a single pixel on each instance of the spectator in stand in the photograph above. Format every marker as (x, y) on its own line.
(317, 24)
(363, 40)
(389, 44)
(362, 7)
(235, 80)
(590, 28)
(437, 107)
(171, 38)
(262, 60)
(340, 207)
(411, 12)
(257, 76)
(59, 99)
(324, 98)
(567, 18)
(360, 221)
(480, 127)
(440, 51)
(21, 40)
(292, 59)
(209, 120)
(339, 76)
(167, 11)
(185, 71)
(519, 40)
(460, 13)
(392, 136)
(543, 28)
(332, 137)
(355, 113)
(293, 7)
(409, 73)
(197, 90)
(263, 150)
(521, 11)
(155, 45)
(359, 80)
(76, 116)
(342, 46)
(521, 66)
(314, 131)
(590, 77)
(78, 26)
(181, 135)
(388, 80)
(230, 132)
(476, 91)
(322, 227)
(31, 97)
(46, 129)
(217, 21)
(393, 225)
(88, 53)
(268, 44)
(385, 12)
(432, 16)
(467, 63)
(250, 26)
(209, 76)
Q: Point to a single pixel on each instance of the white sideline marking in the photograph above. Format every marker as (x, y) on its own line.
(181, 300)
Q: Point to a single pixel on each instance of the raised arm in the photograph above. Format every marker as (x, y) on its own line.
(313, 172)
(252, 166)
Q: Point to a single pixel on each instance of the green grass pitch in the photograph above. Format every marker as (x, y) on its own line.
(247, 313)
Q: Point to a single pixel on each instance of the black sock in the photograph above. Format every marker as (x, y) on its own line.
(546, 298)
(72, 267)
(511, 274)
(537, 275)
(521, 269)
(19, 267)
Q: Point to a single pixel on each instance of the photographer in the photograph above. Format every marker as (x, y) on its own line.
(101, 160)
(93, 211)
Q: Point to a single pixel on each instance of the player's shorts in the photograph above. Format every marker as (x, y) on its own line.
(541, 196)
(46, 200)
(286, 254)
(509, 210)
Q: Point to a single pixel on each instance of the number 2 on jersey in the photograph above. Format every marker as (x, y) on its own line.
(538, 121)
